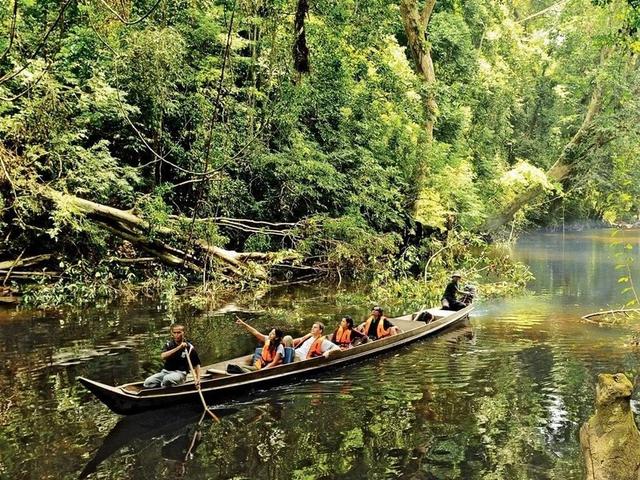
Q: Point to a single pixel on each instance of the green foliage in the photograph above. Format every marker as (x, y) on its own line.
(82, 283)
(625, 258)
(189, 113)
(155, 210)
(258, 242)
(346, 245)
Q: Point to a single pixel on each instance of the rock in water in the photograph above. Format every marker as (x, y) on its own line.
(610, 440)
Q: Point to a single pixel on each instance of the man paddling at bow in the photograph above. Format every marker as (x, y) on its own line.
(176, 364)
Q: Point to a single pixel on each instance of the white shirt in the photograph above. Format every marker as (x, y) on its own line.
(303, 350)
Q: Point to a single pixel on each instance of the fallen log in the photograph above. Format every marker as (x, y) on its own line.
(136, 230)
(109, 214)
(132, 261)
(27, 274)
(25, 262)
(168, 255)
(9, 295)
(281, 229)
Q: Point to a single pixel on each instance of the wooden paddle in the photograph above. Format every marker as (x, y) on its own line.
(193, 374)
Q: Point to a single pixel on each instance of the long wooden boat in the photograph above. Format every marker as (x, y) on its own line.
(218, 386)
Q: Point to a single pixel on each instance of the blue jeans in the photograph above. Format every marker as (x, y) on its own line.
(165, 378)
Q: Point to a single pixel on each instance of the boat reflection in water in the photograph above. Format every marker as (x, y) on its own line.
(179, 428)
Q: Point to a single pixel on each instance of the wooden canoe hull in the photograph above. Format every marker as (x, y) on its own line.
(216, 390)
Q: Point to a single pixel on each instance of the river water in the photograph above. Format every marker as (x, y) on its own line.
(502, 397)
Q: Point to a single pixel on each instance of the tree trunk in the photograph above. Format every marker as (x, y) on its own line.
(300, 49)
(130, 227)
(559, 172)
(25, 262)
(415, 25)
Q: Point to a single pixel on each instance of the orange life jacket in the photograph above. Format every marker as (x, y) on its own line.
(266, 356)
(380, 331)
(342, 337)
(316, 348)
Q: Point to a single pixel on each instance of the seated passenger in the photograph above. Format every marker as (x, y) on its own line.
(313, 344)
(345, 336)
(272, 353)
(378, 326)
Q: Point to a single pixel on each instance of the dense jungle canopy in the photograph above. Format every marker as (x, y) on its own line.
(329, 136)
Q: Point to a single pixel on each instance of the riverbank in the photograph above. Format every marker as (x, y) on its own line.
(407, 280)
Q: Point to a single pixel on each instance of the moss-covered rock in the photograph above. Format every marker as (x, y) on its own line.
(610, 440)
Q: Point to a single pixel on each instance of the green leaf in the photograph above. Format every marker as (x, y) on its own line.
(623, 279)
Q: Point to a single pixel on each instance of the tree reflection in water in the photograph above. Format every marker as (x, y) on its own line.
(178, 429)
(501, 398)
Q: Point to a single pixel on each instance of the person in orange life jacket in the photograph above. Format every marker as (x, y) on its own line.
(313, 344)
(272, 352)
(345, 336)
(176, 366)
(378, 326)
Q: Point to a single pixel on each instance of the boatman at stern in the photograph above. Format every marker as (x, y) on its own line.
(450, 296)
(176, 365)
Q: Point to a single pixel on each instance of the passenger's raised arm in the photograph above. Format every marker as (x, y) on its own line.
(250, 329)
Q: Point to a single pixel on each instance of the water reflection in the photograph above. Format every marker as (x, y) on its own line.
(502, 397)
(179, 430)
(579, 268)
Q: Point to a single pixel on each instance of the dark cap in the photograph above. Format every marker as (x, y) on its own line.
(377, 309)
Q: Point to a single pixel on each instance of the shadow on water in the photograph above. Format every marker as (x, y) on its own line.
(179, 429)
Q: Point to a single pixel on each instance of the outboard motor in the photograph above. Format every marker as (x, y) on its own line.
(469, 292)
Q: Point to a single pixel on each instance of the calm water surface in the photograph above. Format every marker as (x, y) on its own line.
(499, 398)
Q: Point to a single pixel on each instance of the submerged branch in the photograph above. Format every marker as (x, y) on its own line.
(609, 312)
